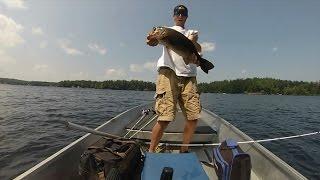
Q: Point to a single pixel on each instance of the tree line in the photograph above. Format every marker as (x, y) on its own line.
(27, 83)
(110, 84)
(262, 86)
(238, 86)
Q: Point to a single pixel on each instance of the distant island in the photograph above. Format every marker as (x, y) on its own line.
(252, 86)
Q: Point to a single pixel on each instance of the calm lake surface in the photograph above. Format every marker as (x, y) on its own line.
(29, 131)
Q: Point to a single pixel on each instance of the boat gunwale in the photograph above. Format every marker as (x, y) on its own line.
(258, 147)
(65, 148)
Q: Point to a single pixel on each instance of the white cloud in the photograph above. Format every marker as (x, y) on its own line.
(43, 44)
(274, 49)
(243, 71)
(115, 74)
(150, 66)
(79, 76)
(40, 67)
(37, 31)
(135, 68)
(14, 4)
(4, 73)
(6, 59)
(96, 48)
(208, 46)
(10, 32)
(65, 46)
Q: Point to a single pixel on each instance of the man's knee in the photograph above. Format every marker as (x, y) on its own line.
(163, 124)
(192, 121)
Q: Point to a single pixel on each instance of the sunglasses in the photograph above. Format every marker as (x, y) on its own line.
(181, 12)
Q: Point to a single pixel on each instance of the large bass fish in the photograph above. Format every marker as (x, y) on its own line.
(180, 44)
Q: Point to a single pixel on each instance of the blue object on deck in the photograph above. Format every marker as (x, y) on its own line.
(231, 143)
(185, 166)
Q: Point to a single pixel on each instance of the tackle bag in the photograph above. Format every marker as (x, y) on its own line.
(111, 159)
(230, 162)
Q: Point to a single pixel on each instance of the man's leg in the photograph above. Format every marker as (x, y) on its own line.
(189, 129)
(190, 106)
(166, 104)
(157, 132)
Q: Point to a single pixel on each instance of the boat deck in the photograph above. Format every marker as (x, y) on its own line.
(174, 131)
(174, 134)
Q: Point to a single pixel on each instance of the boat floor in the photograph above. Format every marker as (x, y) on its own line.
(174, 132)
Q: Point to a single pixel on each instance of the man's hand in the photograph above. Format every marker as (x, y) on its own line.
(194, 59)
(151, 41)
(193, 37)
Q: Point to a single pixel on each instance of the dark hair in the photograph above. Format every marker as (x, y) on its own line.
(180, 9)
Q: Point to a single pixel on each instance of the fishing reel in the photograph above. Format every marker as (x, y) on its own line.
(147, 111)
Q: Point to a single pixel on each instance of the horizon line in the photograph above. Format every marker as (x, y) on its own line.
(318, 81)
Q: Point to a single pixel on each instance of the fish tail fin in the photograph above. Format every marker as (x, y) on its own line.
(206, 65)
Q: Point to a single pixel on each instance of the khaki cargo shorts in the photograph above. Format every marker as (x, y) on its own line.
(172, 89)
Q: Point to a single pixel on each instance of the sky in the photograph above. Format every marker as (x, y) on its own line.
(46, 40)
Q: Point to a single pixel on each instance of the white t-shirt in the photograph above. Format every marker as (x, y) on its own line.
(174, 61)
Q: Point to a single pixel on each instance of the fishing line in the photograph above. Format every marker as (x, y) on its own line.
(144, 114)
(143, 126)
(244, 142)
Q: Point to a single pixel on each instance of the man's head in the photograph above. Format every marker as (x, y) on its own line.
(180, 15)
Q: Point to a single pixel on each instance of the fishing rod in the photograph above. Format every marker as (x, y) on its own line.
(70, 125)
(144, 113)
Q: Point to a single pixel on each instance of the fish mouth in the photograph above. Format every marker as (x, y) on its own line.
(157, 33)
(151, 37)
(160, 31)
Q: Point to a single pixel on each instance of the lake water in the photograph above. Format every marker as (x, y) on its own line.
(29, 131)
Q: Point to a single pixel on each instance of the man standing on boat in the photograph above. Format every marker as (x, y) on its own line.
(176, 83)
